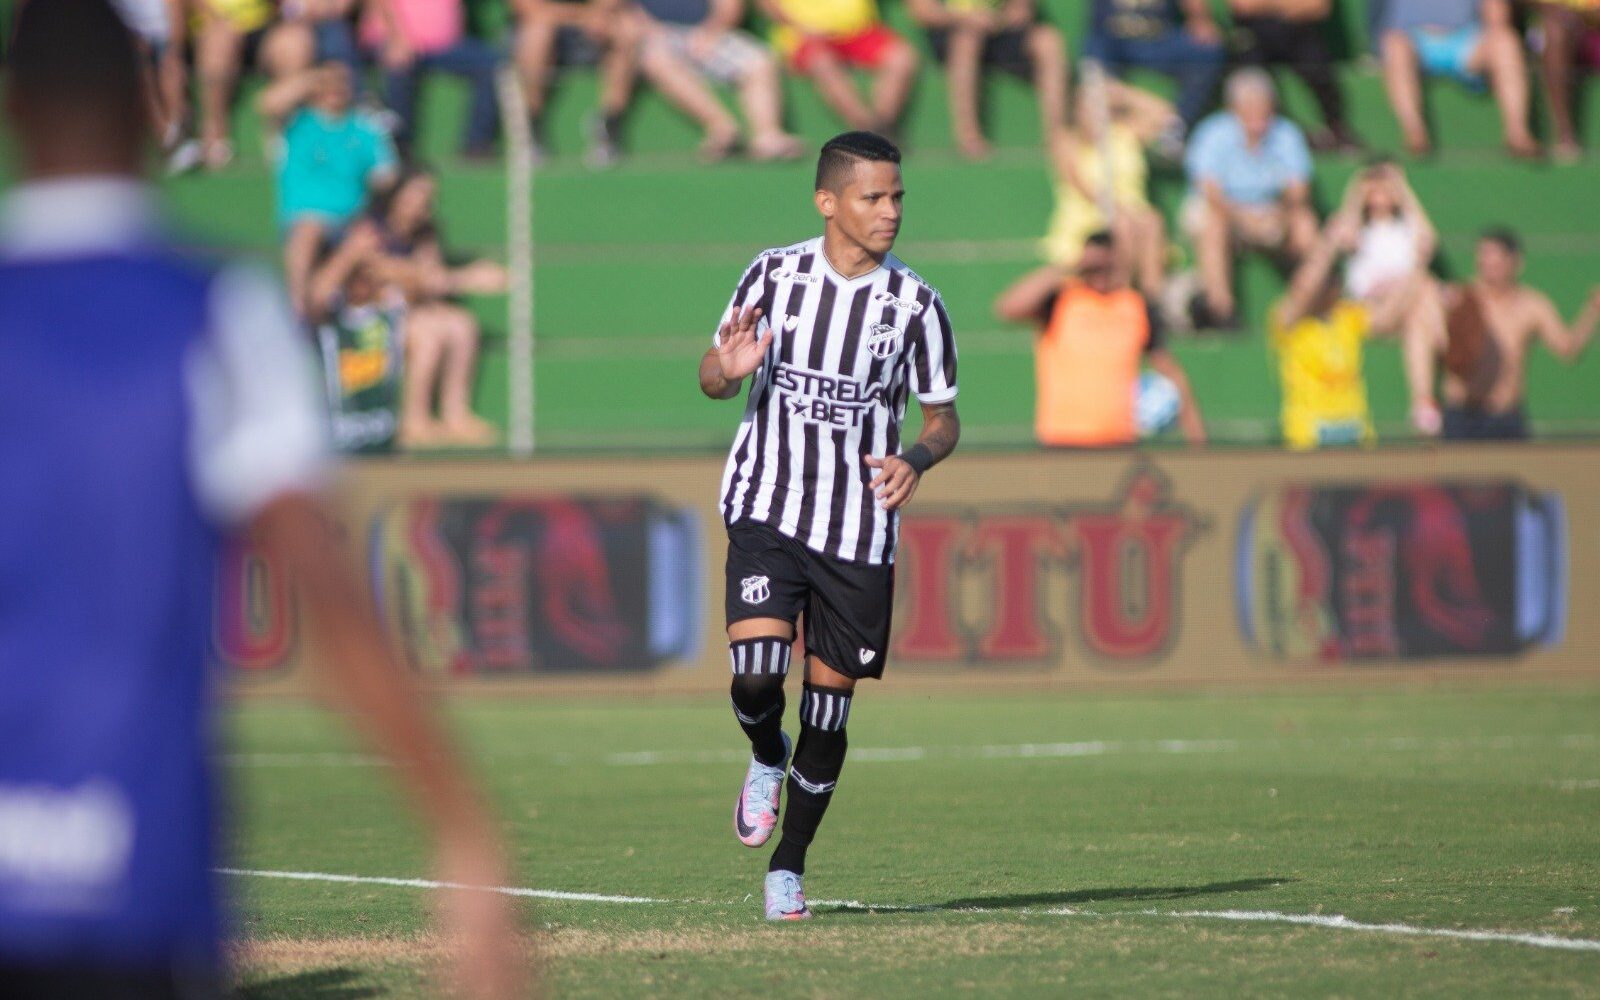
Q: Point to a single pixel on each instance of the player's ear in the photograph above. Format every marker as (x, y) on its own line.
(827, 202)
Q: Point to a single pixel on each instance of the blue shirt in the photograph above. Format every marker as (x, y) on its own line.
(685, 12)
(1444, 15)
(328, 165)
(1218, 152)
(148, 404)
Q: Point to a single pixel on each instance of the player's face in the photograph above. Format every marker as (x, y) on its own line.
(868, 209)
(1496, 264)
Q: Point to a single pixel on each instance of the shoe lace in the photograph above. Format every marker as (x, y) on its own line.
(764, 784)
(789, 893)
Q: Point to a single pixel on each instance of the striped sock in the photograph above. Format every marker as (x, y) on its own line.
(759, 669)
(818, 759)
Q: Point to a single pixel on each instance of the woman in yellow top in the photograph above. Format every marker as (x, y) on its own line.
(1320, 338)
(228, 35)
(1101, 181)
(825, 39)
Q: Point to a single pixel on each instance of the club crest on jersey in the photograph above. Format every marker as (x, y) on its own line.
(889, 298)
(798, 277)
(755, 589)
(883, 340)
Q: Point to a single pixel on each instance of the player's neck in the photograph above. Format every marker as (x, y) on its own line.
(850, 260)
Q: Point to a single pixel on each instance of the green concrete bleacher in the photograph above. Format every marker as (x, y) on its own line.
(634, 265)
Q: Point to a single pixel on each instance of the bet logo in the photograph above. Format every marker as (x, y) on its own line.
(754, 589)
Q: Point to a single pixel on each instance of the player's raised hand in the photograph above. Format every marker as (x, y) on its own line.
(740, 350)
(896, 481)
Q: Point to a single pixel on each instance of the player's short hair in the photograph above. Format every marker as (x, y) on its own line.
(841, 154)
(76, 52)
(1099, 238)
(1503, 236)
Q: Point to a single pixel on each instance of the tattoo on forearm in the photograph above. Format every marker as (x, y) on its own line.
(940, 431)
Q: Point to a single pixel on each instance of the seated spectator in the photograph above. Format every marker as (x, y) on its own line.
(160, 34)
(1570, 36)
(229, 35)
(1250, 187)
(441, 335)
(1007, 35)
(825, 39)
(1094, 334)
(1101, 182)
(1394, 238)
(1183, 43)
(552, 34)
(331, 160)
(1289, 33)
(686, 43)
(359, 318)
(1469, 40)
(424, 36)
(1319, 331)
(1491, 324)
(332, 28)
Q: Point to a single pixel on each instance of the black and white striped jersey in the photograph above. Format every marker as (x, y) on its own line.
(845, 355)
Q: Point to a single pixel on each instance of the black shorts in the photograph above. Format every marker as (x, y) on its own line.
(847, 605)
(1006, 51)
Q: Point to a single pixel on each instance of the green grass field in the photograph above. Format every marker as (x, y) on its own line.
(1041, 845)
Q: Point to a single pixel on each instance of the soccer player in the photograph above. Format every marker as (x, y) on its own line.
(834, 334)
(149, 405)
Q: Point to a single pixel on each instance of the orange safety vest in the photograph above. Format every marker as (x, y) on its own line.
(1086, 362)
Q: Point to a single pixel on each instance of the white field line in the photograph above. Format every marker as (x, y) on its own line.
(990, 751)
(1576, 784)
(1332, 922)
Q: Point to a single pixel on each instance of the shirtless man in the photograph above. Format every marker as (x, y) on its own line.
(1493, 321)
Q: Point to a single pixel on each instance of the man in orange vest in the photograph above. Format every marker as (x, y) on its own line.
(1095, 335)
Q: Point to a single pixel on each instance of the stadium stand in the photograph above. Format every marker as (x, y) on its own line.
(633, 265)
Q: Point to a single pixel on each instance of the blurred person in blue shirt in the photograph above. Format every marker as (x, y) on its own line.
(1179, 39)
(1471, 41)
(331, 159)
(1249, 187)
(151, 406)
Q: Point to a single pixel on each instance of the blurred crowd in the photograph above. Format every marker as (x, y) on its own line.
(367, 270)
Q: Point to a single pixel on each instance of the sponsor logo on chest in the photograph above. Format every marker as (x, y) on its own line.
(890, 299)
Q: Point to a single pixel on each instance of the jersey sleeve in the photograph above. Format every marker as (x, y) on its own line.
(260, 424)
(933, 370)
(750, 291)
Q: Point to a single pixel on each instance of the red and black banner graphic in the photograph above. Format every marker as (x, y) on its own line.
(1370, 571)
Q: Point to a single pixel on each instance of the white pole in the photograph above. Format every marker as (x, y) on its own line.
(519, 261)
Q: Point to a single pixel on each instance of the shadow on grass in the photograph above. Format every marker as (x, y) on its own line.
(318, 984)
(1081, 896)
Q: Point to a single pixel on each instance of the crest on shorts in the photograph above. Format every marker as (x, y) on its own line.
(755, 589)
(866, 655)
(883, 340)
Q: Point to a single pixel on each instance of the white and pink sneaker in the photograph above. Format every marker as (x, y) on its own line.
(755, 815)
(786, 900)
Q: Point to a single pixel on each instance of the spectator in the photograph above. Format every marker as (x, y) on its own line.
(159, 33)
(1007, 35)
(1094, 334)
(1570, 31)
(824, 40)
(360, 321)
(230, 34)
(1319, 334)
(1290, 33)
(559, 33)
(1101, 182)
(332, 159)
(1465, 39)
(1491, 325)
(1393, 237)
(422, 36)
(332, 30)
(1250, 186)
(1183, 43)
(687, 42)
(441, 335)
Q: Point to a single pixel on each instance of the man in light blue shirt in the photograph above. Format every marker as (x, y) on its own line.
(332, 158)
(1249, 187)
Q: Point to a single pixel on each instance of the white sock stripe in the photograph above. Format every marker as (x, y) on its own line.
(811, 786)
(825, 710)
(759, 656)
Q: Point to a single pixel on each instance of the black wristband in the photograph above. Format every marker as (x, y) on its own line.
(918, 457)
